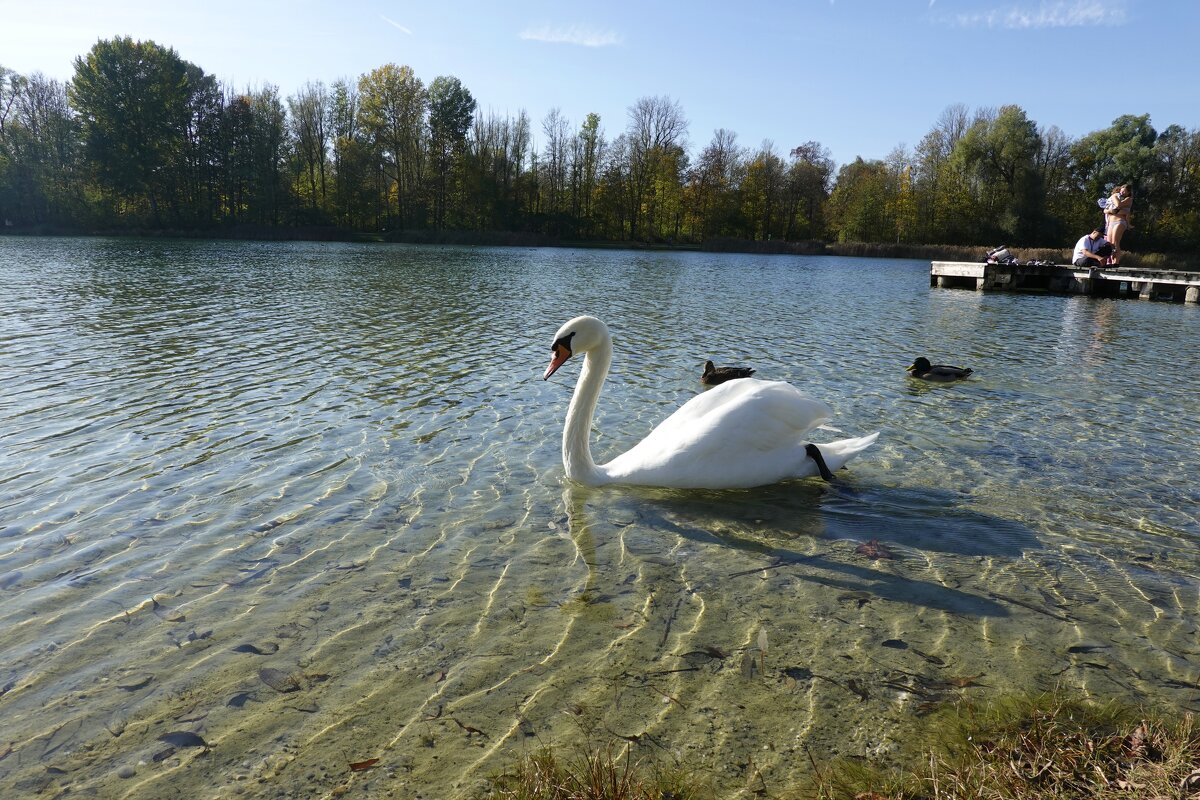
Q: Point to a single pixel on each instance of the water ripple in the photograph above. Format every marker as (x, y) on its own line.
(339, 463)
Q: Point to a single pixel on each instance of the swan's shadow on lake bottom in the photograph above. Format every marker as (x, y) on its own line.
(783, 524)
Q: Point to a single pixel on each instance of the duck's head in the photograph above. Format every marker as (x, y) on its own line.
(919, 365)
(578, 336)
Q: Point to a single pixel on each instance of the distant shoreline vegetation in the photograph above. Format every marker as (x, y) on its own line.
(928, 252)
(142, 142)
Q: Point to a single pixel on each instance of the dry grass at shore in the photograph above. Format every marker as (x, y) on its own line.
(1040, 747)
(547, 775)
(1037, 748)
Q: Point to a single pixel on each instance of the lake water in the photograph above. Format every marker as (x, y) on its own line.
(304, 503)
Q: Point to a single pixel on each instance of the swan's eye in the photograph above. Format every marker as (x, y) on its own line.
(563, 343)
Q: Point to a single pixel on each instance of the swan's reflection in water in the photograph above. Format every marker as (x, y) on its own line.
(579, 530)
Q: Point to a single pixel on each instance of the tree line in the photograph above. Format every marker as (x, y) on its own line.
(141, 140)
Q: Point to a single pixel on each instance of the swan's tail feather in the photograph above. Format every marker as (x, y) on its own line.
(837, 453)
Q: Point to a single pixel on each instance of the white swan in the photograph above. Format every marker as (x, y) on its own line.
(740, 434)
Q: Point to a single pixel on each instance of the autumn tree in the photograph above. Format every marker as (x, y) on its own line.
(588, 152)
(393, 107)
(451, 110)
(809, 181)
(858, 205)
(945, 206)
(134, 100)
(762, 194)
(1053, 163)
(1121, 153)
(656, 136)
(999, 152)
(713, 184)
(1177, 183)
(553, 163)
(39, 158)
(355, 198)
(309, 118)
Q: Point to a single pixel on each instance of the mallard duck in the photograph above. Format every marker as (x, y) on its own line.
(713, 375)
(943, 373)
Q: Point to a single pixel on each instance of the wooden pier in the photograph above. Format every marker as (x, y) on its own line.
(1147, 284)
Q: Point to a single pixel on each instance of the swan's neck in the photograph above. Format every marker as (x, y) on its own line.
(576, 453)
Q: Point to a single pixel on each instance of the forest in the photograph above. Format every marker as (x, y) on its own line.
(140, 141)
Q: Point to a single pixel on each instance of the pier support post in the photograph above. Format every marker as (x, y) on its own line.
(1147, 292)
(1192, 295)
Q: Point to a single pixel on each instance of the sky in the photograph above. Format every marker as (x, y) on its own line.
(861, 77)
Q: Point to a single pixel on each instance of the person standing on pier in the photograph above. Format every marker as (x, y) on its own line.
(1091, 250)
(1118, 219)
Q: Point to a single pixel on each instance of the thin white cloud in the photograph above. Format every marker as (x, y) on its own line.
(1056, 14)
(395, 25)
(571, 34)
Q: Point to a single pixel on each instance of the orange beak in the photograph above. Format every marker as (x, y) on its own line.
(561, 354)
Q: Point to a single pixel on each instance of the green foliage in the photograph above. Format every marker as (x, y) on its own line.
(451, 109)
(858, 206)
(135, 102)
(141, 138)
(393, 105)
(998, 157)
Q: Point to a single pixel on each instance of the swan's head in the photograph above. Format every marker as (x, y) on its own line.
(578, 336)
(921, 365)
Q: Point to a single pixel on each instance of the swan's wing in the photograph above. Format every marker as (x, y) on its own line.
(739, 431)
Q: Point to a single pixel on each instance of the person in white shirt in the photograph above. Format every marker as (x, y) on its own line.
(1091, 250)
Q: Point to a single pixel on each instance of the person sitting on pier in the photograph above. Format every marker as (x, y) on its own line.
(1091, 250)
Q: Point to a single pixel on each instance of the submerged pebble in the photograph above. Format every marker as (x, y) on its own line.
(279, 680)
(126, 772)
(135, 682)
(183, 739)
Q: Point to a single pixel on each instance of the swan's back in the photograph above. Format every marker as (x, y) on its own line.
(743, 433)
(740, 434)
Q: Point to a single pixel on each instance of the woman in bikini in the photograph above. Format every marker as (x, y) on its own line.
(1118, 219)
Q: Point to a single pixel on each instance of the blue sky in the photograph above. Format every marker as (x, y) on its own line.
(859, 76)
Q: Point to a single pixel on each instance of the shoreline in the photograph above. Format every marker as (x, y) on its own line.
(898, 250)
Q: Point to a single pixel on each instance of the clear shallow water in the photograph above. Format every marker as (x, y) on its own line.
(305, 502)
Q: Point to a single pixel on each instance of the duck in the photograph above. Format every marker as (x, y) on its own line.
(738, 435)
(941, 373)
(714, 375)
